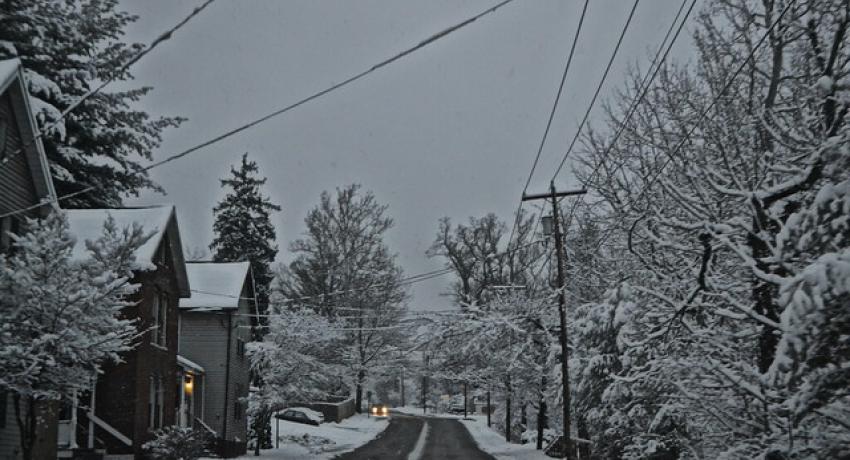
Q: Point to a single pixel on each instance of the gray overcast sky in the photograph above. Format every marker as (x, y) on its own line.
(448, 131)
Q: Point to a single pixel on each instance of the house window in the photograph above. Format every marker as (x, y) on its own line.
(159, 316)
(240, 348)
(237, 402)
(155, 403)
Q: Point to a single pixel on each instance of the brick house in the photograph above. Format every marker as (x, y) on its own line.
(139, 395)
(25, 184)
(215, 326)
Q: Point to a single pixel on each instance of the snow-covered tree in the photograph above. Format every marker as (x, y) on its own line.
(474, 252)
(344, 271)
(734, 225)
(291, 361)
(293, 356)
(68, 47)
(60, 313)
(507, 345)
(243, 227)
(244, 232)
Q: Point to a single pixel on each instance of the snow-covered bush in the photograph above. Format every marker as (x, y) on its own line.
(177, 443)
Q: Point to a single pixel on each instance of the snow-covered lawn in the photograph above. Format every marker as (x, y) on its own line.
(299, 441)
(494, 442)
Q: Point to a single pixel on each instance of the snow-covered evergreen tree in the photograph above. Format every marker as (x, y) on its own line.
(67, 47)
(60, 314)
(244, 232)
(243, 227)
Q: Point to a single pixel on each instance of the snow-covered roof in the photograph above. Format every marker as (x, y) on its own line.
(215, 285)
(187, 364)
(87, 224)
(8, 70)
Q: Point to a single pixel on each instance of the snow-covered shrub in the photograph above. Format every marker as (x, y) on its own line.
(177, 443)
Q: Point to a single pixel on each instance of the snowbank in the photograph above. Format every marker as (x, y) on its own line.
(299, 441)
(494, 443)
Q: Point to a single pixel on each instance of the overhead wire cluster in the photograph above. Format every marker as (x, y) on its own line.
(699, 121)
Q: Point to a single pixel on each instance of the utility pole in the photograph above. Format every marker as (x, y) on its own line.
(562, 302)
(402, 386)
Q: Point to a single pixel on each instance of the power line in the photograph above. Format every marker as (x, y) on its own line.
(551, 117)
(589, 108)
(331, 88)
(702, 117)
(161, 38)
(431, 39)
(643, 88)
(598, 88)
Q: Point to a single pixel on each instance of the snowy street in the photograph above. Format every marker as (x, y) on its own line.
(597, 229)
(399, 437)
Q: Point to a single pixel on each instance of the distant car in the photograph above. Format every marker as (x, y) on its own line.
(301, 415)
(379, 410)
(456, 408)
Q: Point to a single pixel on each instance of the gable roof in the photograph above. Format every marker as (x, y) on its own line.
(87, 224)
(12, 81)
(216, 285)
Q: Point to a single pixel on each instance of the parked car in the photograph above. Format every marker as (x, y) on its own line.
(301, 415)
(379, 410)
(456, 408)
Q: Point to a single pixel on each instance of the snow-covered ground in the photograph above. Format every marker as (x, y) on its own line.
(494, 442)
(299, 441)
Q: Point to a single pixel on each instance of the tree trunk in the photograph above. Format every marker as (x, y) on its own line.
(489, 424)
(541, 413)
(508, 409)
(358, 396)
(523, 417)
(464, 400)
(583, 447)
(764, 296)
(26, 418)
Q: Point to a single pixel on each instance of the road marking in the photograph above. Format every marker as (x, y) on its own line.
(419, 448)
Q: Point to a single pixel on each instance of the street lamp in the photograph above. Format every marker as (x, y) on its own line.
(548, 225)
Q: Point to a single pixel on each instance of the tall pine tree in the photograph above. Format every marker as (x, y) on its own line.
(67, 47)
(243, 229)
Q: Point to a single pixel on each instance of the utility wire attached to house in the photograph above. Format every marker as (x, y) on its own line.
(121, 71)
(422, 44)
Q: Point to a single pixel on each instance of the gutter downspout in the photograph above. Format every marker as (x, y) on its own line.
(227, 374)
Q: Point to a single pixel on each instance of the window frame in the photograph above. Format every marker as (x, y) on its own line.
(159, 318)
